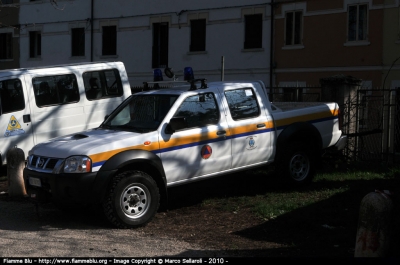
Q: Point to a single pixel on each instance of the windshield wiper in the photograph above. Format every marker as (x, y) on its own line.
(126, 128)
(103, 126)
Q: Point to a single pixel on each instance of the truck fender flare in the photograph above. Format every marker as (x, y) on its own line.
(300, 131)
(146, 161)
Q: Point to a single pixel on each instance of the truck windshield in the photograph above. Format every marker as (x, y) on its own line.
(142, 113)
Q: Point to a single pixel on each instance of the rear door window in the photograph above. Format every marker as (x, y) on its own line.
(242, 103)
(102, 84)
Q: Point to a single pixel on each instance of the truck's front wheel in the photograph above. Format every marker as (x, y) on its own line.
(132, 201)
(298, 163)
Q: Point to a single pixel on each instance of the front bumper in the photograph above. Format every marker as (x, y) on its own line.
(341, 143)
(71, 188)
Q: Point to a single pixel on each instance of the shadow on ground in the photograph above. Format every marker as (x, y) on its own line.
(324, 229)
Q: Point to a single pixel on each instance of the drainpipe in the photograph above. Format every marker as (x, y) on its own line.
(271, 52)
(91, 31)
(222, 68)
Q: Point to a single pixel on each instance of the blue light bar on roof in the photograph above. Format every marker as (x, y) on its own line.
(188, 73)
(157, 75)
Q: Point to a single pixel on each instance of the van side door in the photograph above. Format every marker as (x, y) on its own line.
(15, 119)
(104, 91)
(57, 108)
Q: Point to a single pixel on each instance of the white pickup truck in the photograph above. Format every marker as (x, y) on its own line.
(165, 137)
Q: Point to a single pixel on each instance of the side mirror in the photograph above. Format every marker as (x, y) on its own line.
(175, 124)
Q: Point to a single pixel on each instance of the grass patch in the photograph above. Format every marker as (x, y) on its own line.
(281, 203)
(346, 187)
(320, 218)
(351, 175)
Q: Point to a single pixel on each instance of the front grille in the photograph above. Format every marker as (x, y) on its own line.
(51, 163)
(41, 163)
(34, 160)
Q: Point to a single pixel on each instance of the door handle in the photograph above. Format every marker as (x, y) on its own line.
(223, 132)
(261, 125)
(26, 118)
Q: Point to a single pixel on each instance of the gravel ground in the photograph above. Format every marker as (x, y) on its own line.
(53, 233)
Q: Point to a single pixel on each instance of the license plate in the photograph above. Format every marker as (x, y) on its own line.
(35, 182)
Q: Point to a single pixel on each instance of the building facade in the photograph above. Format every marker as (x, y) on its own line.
(213, 37)
(310, 39)
(391, 44)
(322, 39)
(9, 34)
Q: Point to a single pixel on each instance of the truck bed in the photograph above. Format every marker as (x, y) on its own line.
(287, 106)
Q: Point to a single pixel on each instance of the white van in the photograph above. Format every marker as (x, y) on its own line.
(37, 104)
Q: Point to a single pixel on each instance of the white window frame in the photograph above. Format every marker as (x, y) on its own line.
(293, 7)
(106, 23)
(36, 56)
(196, 16)
(357, 41)
(8, 31)
(253, 11)
(71, 27)
(294, 27)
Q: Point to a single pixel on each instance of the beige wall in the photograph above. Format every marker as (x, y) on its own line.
(312, 78)
(391, 45)
(325, 52)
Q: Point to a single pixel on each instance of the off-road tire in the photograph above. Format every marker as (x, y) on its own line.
(297, 163)
(132, 201)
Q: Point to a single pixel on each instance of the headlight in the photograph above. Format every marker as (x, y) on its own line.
(77, 164)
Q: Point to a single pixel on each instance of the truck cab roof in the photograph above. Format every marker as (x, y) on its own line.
(179, 87)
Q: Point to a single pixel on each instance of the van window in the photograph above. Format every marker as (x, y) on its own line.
(11, 96)
(55, 90)
(102, 84)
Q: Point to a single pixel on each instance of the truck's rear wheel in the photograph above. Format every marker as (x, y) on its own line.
(132, 201)
(298, 163)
